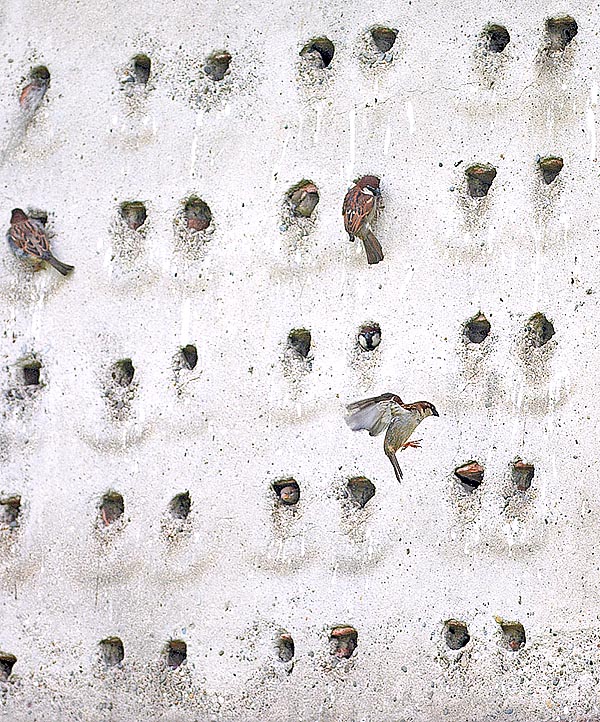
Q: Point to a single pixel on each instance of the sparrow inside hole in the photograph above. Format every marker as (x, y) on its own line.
(28, 240)
(359, 209)
(343, 641)
(217, 65)
(550, 166)
(479, 179)
(369, 336)
(522, 475)
(33, 93)
(388, 412)
(288, 491)
(133, 214)
(470, 474)
(197, 214)
(304, 199)
(561, 31)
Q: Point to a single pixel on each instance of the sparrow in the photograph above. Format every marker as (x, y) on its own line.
(388, 410)
(33, 93)
(303, 200)
(360, 211)
(27, 238)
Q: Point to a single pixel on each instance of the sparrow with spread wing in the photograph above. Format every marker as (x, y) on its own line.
(27, 238)
(360, 211)
(388, 411)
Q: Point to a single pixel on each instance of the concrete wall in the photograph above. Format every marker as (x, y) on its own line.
(242, 569)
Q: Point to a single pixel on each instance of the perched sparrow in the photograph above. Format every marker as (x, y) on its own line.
(32, 94)
(401, 420)
(27, 238)
(360, 211)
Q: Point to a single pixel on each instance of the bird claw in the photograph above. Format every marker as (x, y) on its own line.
(415, 444)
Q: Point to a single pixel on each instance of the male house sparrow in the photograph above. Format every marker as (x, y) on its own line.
(27, 238)
(33, 93)
(360, 211)
(401, 420)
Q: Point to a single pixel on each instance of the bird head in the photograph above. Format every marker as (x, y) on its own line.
(18, 216)
(426, 409)
(371, 183)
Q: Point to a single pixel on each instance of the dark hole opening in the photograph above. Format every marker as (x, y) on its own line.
(522, 475)
(369, 336)
(10, 508)
(361, 490)
(7, 662)
(288, 491)
(217, 65)
(197, 214)
(479, 179)
(31, 373)
(497, 38)
(477, 329)
(112, 651)
(513, 635)
(303, 199)
(470, 474)
(319, 51)
(134, 214)
(123, 372)
(384, 38)
(40, 72)
(189, 355)
(285, 647)
(540, 330)
(299, 339)
(180, 505)
(141, 69)
(561, 31)
(343, 641)
(112, 507)
(176, 653)
(550, 166)
(456, 634)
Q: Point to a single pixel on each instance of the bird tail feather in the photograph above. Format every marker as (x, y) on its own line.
(372, 248)
(61, 267)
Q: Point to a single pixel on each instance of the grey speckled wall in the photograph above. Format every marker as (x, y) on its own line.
(149, 569)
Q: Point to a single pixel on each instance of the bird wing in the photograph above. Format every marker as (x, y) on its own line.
(356, 208)
(402, 425)
(30, 238)
(373, 414)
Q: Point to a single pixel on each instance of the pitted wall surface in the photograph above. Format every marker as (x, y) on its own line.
(138, 509)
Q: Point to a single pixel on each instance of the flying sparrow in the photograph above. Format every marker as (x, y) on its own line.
(33, 93)
(360, 211)
(401, 420)
(27, 238)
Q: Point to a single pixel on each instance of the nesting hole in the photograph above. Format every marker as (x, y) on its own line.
(550, 166)
(197, 214)
(189, 356)
(176, 653)
(319, 52)
(122, 372)
(303, 198)
(112, 651)
(513, 635)
(343, 641)
(479, 179)
(470, 475)
(180, 505)
(217, 65)
(497, 38)
(31, 373)
(361, 489)
(10, 509)
(141, 69)
(477, 329)
(299, 339)
(7, 662)
(285, 647)
(133, 214)
(369, 336)
(522, 475)
(112, 507)
(287, 491)
(539, 330)
(40, 216)
(384, 38)
(456, 634)
(561, 31)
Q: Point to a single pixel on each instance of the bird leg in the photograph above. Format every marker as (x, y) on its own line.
(416, 444)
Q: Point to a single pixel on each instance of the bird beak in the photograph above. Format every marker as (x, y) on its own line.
(376, 192)
(435, 413)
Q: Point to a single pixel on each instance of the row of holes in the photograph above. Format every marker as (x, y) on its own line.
(286, 491)
(319, 51)
(343, 641)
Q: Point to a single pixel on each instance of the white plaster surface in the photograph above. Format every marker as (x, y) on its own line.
(242, 569)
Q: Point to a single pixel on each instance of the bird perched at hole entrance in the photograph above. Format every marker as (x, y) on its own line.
(33, 93)
(400, 419)
(360, 211)
(27, 238)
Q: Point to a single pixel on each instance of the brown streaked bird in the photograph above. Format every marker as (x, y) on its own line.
(360, 211)
(33, 93)
(27, 238)
(400, 419)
